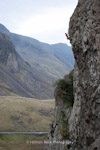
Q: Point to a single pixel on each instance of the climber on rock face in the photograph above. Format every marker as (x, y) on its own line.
(67, 36)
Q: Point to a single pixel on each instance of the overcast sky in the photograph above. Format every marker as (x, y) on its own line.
(45, 20)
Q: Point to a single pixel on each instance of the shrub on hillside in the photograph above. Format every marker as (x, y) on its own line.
(66, 89)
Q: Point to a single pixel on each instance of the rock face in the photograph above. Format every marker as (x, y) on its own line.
(84, 34)
(59, 130)
(84, 120)
(8, 55)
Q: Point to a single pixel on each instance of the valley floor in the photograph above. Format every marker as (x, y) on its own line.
(22, 142)
(25, 114)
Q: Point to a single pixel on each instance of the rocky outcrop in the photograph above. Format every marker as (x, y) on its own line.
(59, 136)
(12, 63)
(84, 119)
(8, 55)
(84, 34)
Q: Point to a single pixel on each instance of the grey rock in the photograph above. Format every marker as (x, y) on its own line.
(85, 126)
(84, 119)
(59, 137)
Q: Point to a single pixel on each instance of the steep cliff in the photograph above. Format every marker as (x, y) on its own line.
(8, 55)
(84, 31)
(84, 119)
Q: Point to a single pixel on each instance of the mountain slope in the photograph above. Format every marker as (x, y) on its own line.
(17, 76)
(49, 59)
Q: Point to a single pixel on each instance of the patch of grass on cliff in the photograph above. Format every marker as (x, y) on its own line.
(65, 88)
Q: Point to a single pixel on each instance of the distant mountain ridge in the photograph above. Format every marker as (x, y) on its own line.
(46, 63)
(53, 60)
(17, 77)
(3, 29)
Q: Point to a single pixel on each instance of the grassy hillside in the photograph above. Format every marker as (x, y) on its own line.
(25, 114)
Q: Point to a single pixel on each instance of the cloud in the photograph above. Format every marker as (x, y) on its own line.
(47, 25)
(45, 20)
(51, 20)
